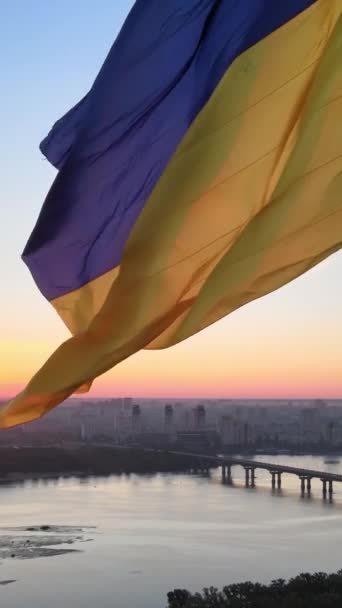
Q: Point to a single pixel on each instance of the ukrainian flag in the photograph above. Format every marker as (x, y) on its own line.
(202, 170)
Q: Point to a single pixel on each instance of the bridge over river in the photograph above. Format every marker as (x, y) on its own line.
(203, 462)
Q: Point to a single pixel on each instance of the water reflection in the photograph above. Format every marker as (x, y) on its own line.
(157, 532)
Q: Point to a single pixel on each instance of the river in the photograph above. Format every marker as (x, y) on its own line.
(150, 534)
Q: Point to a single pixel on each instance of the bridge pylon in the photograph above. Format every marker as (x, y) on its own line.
(227, 474)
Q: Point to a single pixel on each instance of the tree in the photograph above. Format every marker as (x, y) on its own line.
(318, 590)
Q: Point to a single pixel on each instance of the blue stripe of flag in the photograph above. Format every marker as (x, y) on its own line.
(113, 147)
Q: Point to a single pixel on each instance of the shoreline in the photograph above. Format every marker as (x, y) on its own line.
(51, 463)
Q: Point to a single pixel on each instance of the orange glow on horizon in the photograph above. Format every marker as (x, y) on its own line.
(265, 350)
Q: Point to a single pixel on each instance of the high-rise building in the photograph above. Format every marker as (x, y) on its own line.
(127, 403)
(199, 417)
(136, 418)
(330, 432)
(168, 417)
(227, 430)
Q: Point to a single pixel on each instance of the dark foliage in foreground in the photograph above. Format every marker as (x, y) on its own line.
(318, 590)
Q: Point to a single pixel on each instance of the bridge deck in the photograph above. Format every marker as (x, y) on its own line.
(300, 472)
(268, 466)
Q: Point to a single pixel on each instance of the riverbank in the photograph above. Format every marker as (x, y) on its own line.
(20, 464)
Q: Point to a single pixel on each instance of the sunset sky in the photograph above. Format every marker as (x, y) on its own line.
(288, 344)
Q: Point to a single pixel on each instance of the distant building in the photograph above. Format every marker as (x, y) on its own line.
(168, 417)
(196, 441)
(127, 403)
(238, 424)
(227, 431)
(199, 417)
(136, 419)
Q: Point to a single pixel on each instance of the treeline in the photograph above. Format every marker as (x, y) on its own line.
(87, 460)
(318, 590)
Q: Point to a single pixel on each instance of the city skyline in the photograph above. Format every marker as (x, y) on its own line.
(288, 344)
(230, 424)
